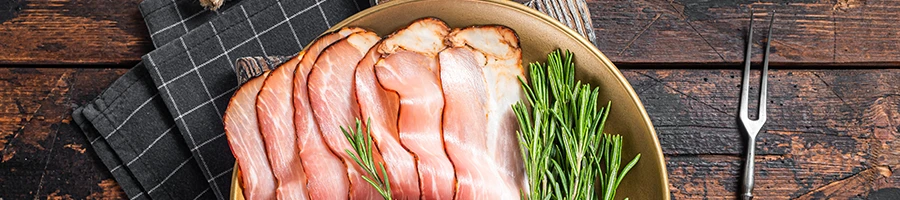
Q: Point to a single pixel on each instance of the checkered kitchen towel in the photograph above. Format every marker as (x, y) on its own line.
(158, 128)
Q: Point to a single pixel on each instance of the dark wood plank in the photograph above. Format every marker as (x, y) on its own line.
(830, 133)
(44, 154)
(810, 33)
(72, 32)
(646, 32)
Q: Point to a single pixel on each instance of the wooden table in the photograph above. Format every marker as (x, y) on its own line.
(834, 99)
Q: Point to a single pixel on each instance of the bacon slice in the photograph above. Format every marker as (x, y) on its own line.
(332, 96)
(501, 72)
(274, 110)
(380, 107)
(479, 74)
(410, 69)
(242, 130)
(326, 172)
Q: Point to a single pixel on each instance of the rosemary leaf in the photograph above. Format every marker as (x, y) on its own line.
(361, 141)
(566, 153)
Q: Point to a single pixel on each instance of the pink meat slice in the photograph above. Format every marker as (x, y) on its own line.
(479, 74)
(327, 174)
(274, 110)
(380, 108)
(242, 130)
(502, 69)
(332, 96)
(409, 67)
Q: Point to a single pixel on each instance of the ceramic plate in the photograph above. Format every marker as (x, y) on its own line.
(540, 34)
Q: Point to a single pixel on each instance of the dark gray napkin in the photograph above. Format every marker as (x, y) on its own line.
(135, 95)
(163, 139)
(147, 157)
(168, 20)
(195, 74)
(129, 121)
(124, 176)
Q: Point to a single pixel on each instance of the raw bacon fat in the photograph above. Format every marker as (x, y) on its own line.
(274, 111)
(246, 143)
(327, 174)
(480, 81)
(409, 67)
(332, 97)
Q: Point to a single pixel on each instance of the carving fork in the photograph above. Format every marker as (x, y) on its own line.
(753, 126)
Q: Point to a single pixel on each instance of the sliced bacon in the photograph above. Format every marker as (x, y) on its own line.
(242, 130)
(274, 110)
(327, 174)
(332, 96)
(439, 102)
(380, 107)
(409, 68)
(500, 46)
(480, 81)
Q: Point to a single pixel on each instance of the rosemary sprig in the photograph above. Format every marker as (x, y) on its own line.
(537, 129)
(361, 141)
(562, 138)
(613, 152)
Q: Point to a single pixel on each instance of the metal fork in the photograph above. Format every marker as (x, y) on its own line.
(753, 126)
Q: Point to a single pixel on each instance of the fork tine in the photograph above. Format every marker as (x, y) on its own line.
(765, 73)
(745, 87)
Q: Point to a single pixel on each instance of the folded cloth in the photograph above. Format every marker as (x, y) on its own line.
(132, 126)
(123, 176)
(129, 121)
(195, 74)
(147, 157)
(168, 20)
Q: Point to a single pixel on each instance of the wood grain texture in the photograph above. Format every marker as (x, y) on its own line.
(572, 13)
(642, 32)
(809, 32)
(830, 133)
(44, 154)
(72, 32)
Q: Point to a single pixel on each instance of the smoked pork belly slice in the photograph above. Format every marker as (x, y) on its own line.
(480, 74)
(275, 113)
(242, 131)
(502, 69)
(326, 173)
(409, 68)
(380, 108)
(332, 97)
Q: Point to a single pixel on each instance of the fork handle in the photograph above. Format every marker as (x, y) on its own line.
(748, 170)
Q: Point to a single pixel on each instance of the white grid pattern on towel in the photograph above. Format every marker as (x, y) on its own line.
(256, 34)
(181, 22)
(128, 118)
(145, 149)
(136, 196)
(187, 131)
(224, 51)
(150, 146)
(202, 82)
(293, 31)
(201, 194)
(166, 82)
(170, 174)
(180, 108)
(178, 11)
(319, 5)
(229, 44)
